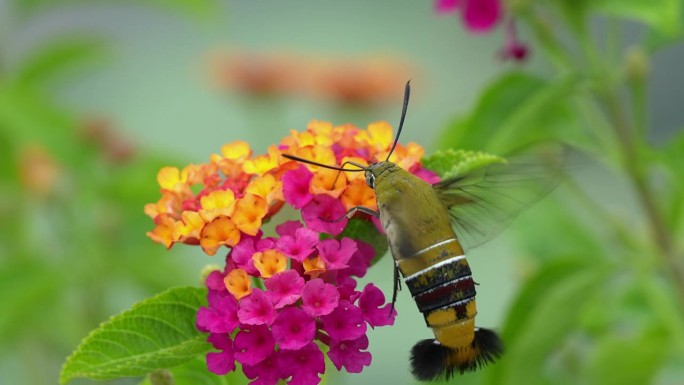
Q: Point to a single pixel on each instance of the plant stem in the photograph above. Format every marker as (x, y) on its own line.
(635, 171)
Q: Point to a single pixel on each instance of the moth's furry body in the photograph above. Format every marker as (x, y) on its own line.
(431, 260)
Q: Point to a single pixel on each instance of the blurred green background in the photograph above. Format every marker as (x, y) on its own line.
(94, 98)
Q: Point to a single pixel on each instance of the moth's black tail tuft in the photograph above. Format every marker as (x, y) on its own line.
(431, 360)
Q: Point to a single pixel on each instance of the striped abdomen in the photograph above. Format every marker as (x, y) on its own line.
(441, 283)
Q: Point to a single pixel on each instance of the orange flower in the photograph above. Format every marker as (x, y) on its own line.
(238, 283)
(331, 182)
(221, 231)
(249, 211)
(359, 194)
(314, 266)
(163, 232)
(269, 262)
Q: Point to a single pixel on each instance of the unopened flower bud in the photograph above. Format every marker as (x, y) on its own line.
(637, 64)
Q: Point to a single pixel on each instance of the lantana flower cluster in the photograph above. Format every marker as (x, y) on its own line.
(282, 301)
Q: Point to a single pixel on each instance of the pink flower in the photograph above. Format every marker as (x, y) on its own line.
(293, 329)
(221, 362)
(284, 288)
(426, 175)
(325, 214)
(300, 245)
(242, 253)
(214, 282)
(360, 260)
(266, 372)
(256, 309)
(288, 228)
(220, 316)
(304, 365)
(253, 344)
(374, 313)
(296, 187)
(336, 253)
(319, 298)
(481, 15)
(345, 322)
(477, 15)
(349, 354)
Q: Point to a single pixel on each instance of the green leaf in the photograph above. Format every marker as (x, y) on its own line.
(67, 56)
(363, 230)
(664, 16)
(156, 333)
(542, 317)
(518, 110)
(195, 373)
(638, 357)
(451, 163)
(672, 158)
(27, 287)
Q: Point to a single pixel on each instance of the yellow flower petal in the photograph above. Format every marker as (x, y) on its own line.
(217, 203)
(237, 151)
(189, 227)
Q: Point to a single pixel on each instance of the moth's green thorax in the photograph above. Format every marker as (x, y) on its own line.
(411, 213)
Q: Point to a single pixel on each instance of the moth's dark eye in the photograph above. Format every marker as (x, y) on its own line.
(370, 180)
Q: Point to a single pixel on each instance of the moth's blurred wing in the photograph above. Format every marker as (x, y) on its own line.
(485, 201)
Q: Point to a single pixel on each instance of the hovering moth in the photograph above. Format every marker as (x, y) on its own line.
(428, 226)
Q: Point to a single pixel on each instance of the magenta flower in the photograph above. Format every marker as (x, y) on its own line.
(481, 15)
(427, 175)
(478, 16)
(284, 288)
(293, 329)
(221, 362)
(319, 298)
(242, 253)
(266, 372)
(336, 253)
(370, 303)
(360, 260)
(348, 354)
(304, 365)
(325, 214)
(300, 245)
(296, 187)
(220, 316)
(288, 228)
(214, 282)
(253, 344)
(256, 309)
(345, 322)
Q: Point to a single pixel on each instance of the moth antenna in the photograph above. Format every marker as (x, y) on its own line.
(298, 159)
(407, 94)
